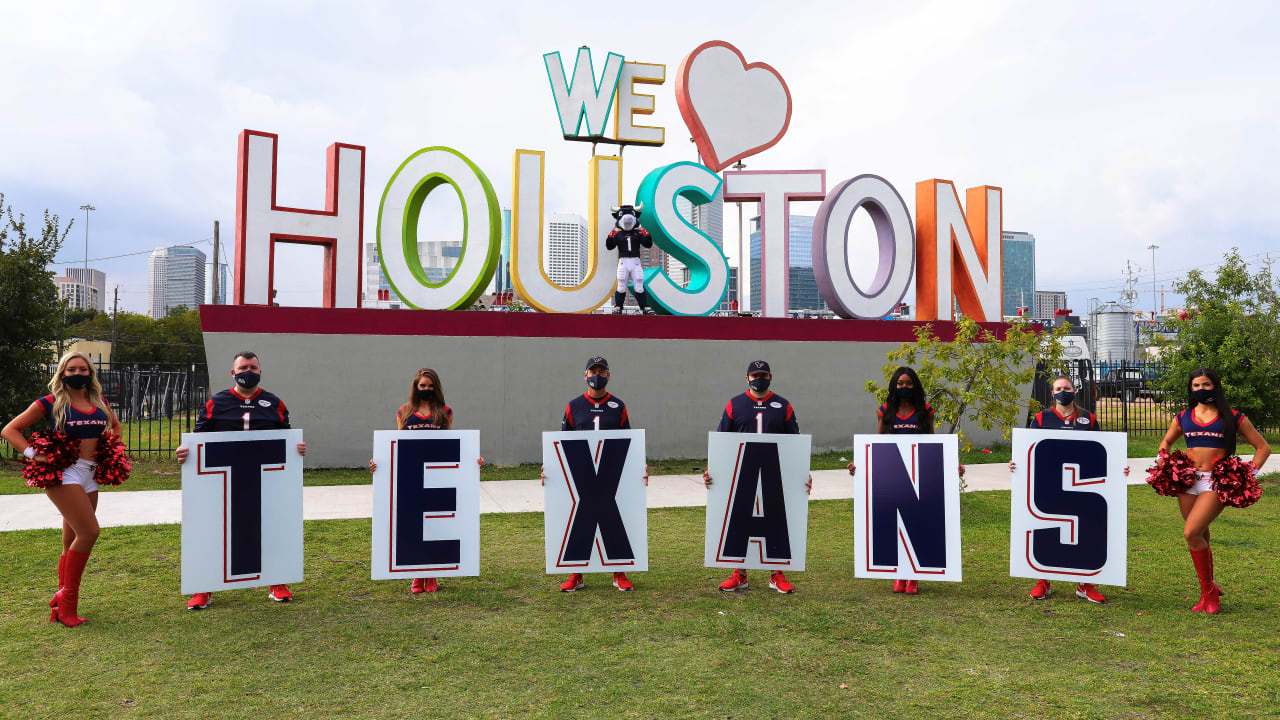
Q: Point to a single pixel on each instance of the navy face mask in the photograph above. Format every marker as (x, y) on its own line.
(904, 392)
(1065, 397)
(1205, 395)
(426, 395)
(597, 382)
(248, 379)
(759, 384)
(76, 382)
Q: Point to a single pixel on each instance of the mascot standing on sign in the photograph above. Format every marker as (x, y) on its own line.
(628, 237)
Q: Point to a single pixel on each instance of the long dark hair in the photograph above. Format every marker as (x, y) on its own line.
(439, 417)
(1220, 401)
(917, 399)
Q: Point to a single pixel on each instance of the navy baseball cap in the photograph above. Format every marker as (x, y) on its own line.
(759, 366)
(597, 360)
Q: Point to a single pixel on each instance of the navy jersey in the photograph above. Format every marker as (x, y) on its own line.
(770, 414)
(1210, 435)
(79, 425)
(1049, 419)
(227, 411)
(905, 424)
(425, 422)
(628, 242)
(607, 413)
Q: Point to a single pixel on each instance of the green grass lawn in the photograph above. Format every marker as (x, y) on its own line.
(507, 644)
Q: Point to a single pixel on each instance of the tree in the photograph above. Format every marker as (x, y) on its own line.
(1232, 325)
(141, 340)
(979, 377)
(32, 311)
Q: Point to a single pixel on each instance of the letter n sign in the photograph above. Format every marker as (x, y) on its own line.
(757, 506)
(1069, 506)
(906, 500)
(426, 504)
(241, 510)
(595, 518)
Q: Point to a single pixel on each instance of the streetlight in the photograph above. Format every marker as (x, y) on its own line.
(1154, 297)
(84, 281)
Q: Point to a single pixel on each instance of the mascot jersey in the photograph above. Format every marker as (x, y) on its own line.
(628, 242)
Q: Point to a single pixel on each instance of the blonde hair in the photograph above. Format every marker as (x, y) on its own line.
(62, 398)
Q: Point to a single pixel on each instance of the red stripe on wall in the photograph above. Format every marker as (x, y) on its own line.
(359, 321)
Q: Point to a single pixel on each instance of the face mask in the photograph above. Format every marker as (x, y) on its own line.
(76, 382)
(597, 382)
(1205, 395)
(426, 395)
(1066, 397)
(759, 384)
(248, 379)
(904, 392)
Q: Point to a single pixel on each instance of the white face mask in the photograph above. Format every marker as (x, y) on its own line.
(627, 222)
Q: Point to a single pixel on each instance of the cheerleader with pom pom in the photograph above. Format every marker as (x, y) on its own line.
(65, 463)
(1210, 428)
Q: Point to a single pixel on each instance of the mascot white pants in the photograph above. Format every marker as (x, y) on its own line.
(630, 271)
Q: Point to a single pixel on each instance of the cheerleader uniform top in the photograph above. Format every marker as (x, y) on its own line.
(1206, 435)
(79, 425)
(425, 422)
(908, 425)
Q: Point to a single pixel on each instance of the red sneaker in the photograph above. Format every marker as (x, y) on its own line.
(430, 585)
(1041, 590)
(1085, 591)
(899, 585)
(621, 582)
(736, 581)
(416, 587)
(199, 601)
(280, 593)
(912, 587)
(573, 583)
(778, 581)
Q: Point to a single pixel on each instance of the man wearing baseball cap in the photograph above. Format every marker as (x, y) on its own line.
(596, 409)
(758, 410)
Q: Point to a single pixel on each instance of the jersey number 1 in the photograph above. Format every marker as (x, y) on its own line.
(760, 423)
(245, 417)
(596, 419)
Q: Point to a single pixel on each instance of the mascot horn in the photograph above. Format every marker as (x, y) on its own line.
(628, 237)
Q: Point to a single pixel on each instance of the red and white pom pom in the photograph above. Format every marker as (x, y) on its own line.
(113, 461)
(1172, 474)
(60, 452)
(1236, 482)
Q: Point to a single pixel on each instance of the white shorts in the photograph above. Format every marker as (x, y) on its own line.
(1204, 483)
(630, 270)
(81, 473)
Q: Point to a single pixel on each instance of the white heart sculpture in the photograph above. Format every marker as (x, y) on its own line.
(733, 110)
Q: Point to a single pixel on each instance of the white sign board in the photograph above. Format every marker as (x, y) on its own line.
(241, 510)
(1069, 506)
(595, 518)
(757, 505)
(906, 507)
(426, 504)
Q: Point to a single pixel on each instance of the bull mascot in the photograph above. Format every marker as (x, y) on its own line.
(628, 237)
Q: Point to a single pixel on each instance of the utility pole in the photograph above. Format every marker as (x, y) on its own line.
(1129, 295)
(217, 269)
(744, 257)
(1154, 310)
(84, 289)
(115, 312)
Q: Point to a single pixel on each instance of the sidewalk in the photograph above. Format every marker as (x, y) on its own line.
(336, 502)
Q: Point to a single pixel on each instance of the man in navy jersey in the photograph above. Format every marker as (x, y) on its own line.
(244, 406)
(597, 409)
(758, 410)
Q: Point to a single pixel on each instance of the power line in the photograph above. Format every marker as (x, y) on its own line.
(140, 252)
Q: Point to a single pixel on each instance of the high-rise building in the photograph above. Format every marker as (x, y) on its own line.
(216, 277)
(437, 258)
(502, 278)
(1018, 265)
(802, 286)
(83, 289)
(176, 279)
(1048, 301)
(730, 302)
(566, 258)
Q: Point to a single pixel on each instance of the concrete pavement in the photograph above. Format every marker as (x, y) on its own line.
(335, 502)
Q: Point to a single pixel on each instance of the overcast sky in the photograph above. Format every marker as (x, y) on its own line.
(1110, 126)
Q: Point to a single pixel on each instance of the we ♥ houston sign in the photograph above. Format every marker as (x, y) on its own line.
(733, 108)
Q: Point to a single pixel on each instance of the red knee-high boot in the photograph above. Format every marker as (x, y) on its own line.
(62, 562)
(69, 596)
(1209, 590)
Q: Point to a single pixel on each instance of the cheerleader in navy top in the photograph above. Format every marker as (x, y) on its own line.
(905, 412)
(1063, 414)
(75, 407)
(426, 410)
(1210, 428)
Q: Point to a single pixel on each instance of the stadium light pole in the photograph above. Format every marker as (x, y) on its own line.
(84, 281)
(1154, 297)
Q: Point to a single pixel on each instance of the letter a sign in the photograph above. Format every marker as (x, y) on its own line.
(595, 518)
(757, 507)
